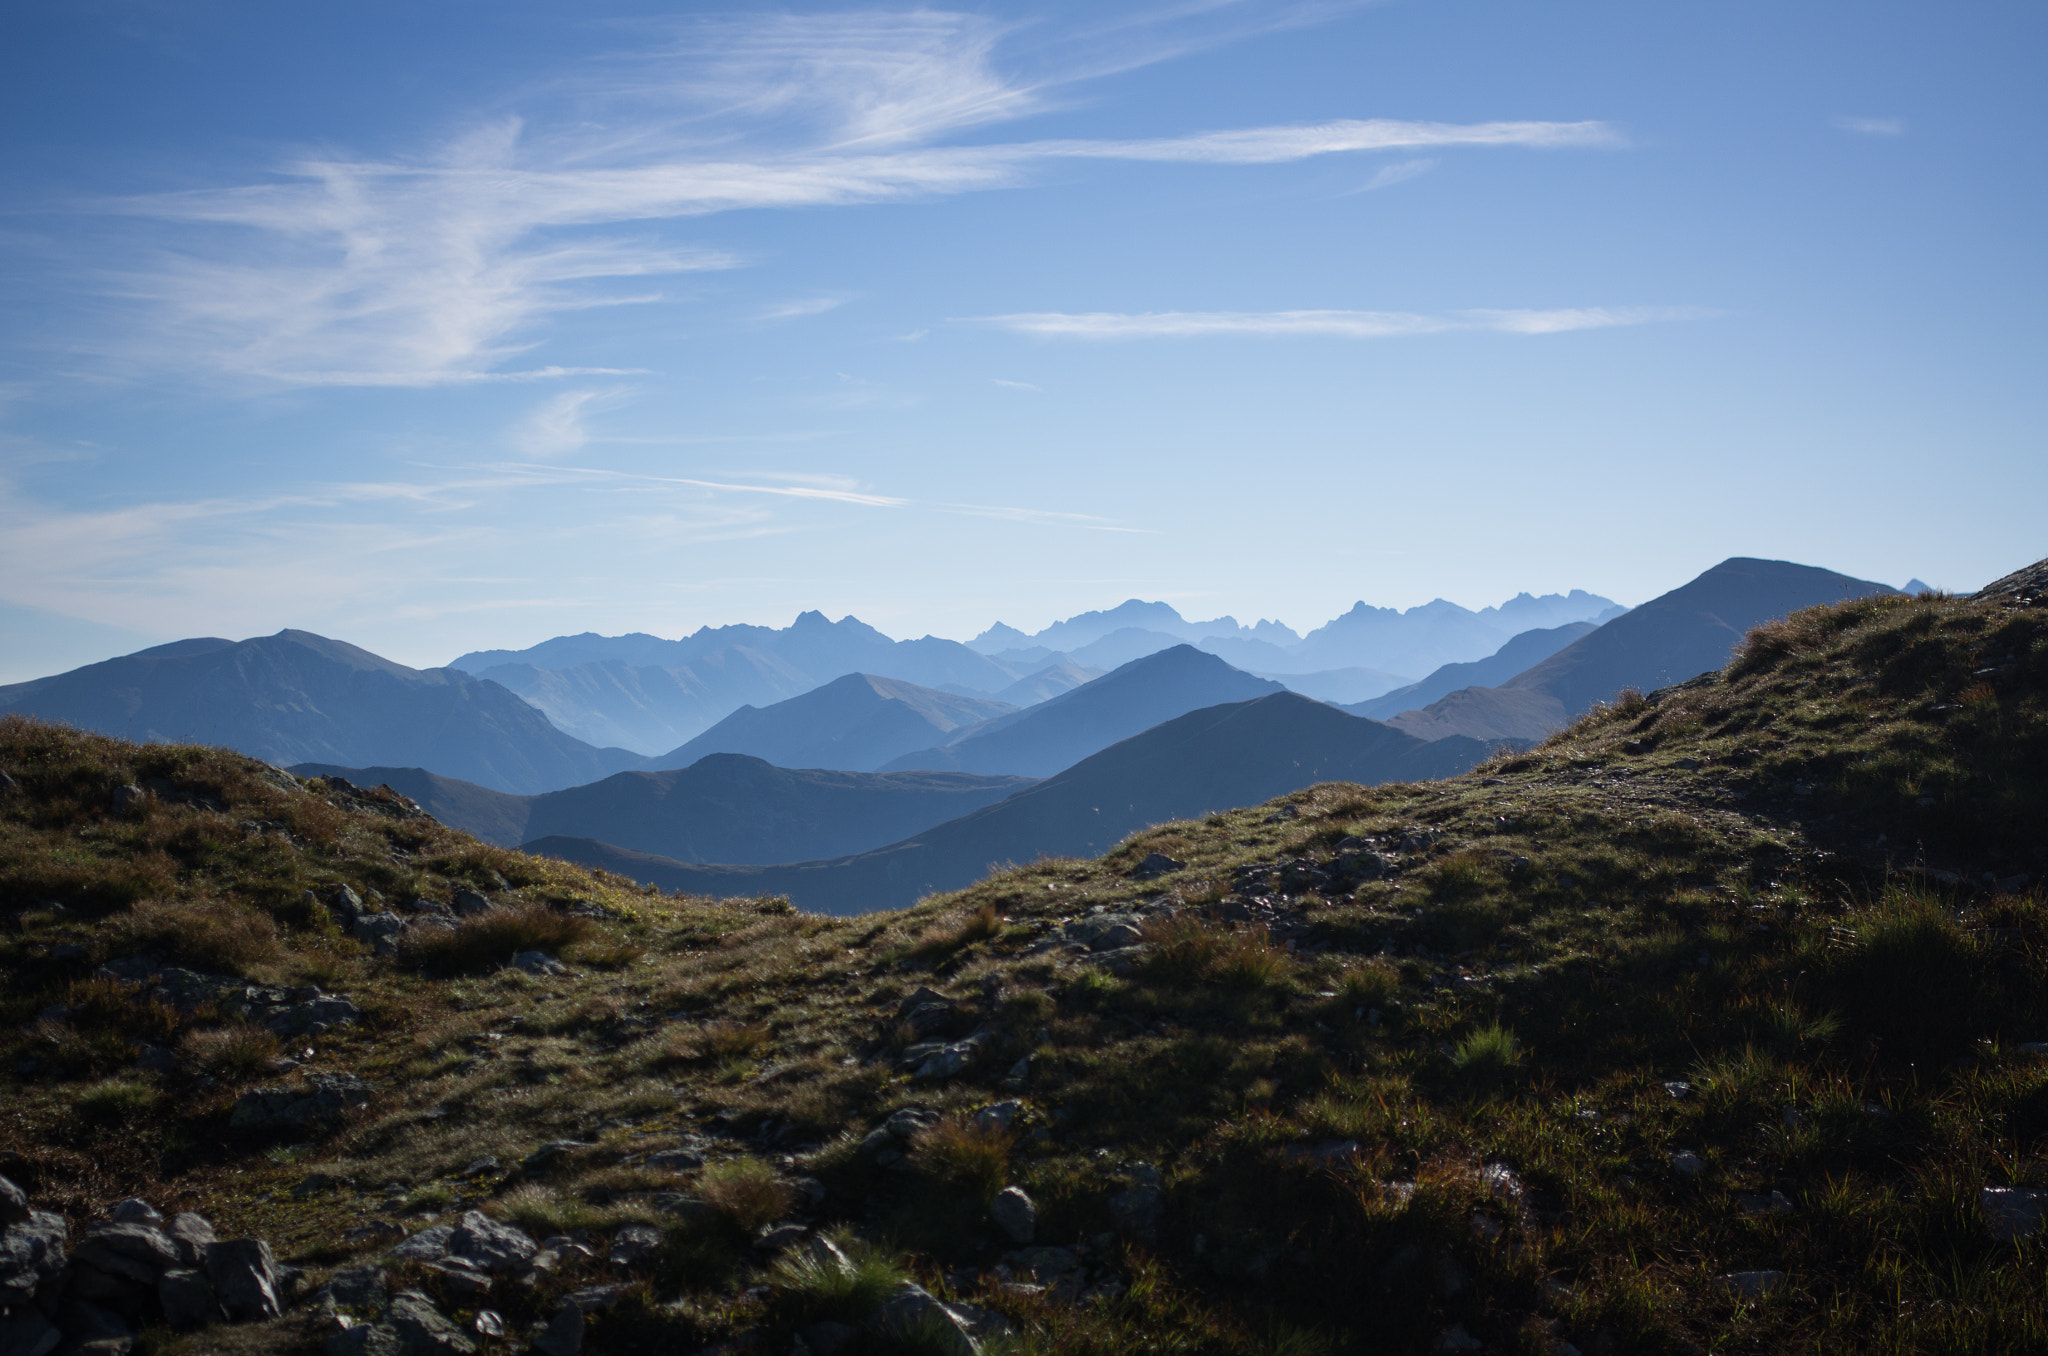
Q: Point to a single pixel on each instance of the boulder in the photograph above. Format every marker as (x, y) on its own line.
(634, 1244)
(347, 908)
(2012, 1212)
(492, 1246)
(365, 1339)
(539, 963)
(354, 1289)
(327, 1010)
(13, 1203)
(462, 1278)
(1156, 864)
(245, 1279)
(1686, 1163)
(1015, 1213)
(944, 1062)
(32, 1258)
(1136, 1210)
(1000, 1116)
(468, 903)
(564, 1334)
(321, 1100)
(138, 1252)
(912, 1315)
(27, 1333)
(376, 929)
(186, 1298)
(424, 1329)
(428, 1245)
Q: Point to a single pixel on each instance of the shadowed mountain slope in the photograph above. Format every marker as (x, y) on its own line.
(856, 723)
(722, 808)
(296, 697)
(647, 708)
(1523, 652)
(1041, 740)
(1212, 759)
(1683, 633)
(1047, 683)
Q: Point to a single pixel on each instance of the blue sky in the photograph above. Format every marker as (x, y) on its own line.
(450, 324)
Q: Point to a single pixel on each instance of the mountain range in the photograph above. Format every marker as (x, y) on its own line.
(857, 723)
(722, 808)
(1217, 757)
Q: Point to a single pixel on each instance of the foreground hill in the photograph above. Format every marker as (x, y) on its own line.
(857, 723)
(1690, 630)
(1206, 760)
(724, 807)
(1707, 1026)
(1041, 740)
(296, 697)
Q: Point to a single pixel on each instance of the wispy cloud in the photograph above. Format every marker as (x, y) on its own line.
(1018, 385)
(440, 267)
(1869, 127)
(1399, 173)
(1325, 324)
(796, 310)
(556, 426)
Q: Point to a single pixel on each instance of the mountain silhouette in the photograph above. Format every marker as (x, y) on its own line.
(723, 808)
(1522, 652)
(1216, 758)
(297, 697)
(856, 723)
(1041, 740)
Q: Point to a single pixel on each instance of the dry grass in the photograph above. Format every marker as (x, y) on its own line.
(211, 935)
(233, 1054)
(747, 1191)
(964, 1157)
(491, 940)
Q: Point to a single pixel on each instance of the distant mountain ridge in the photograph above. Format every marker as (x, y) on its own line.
(857, 724)
(723, 808)
(1215, 758)
(297, 697)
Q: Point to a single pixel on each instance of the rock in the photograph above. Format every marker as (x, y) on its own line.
(489, 1323)
(94, 1328)
(1758, 1203)
(186, 1297)
(462, 1278)
(905, 1124)
(1155, 865)
(1678, 1088)
(428, 1245)
(324, 1010)
(825, 1253)
(134, 1252)
(550, 1154)
(347, 908)
(1456, 1339)
(135, 1210)
(245, 1279)
(482, 1167)
(28, 1333)
(2012, 1212)
(468, 903)
(365, 1339)
(354, 1289)
(827, 1338)
(911, 1314)
(422, 1328)
(1686, 1163)
(13, 1203)
(564, 1334)
(321, 1100)
(378, 928)
(128, 799)
(492, 1246)
(595, 1299)
(675, 1160)
(32, 1258)
(1136, 1211)
(781, 1237)
(1000, 1116)
(1015, 1213)
(947, 1061)
(633, 1244)
(1501, 1183)
(1751, 1285)
(539, 963)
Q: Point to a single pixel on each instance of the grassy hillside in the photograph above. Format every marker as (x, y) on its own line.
(1740, 982)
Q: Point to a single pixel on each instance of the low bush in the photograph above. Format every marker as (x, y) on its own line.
(231, 1053)
(117, 1102)
(1488, 1053)
(1183, 950)
(747, 1192)
(211, 935)
(491, 940)
(964, 1156)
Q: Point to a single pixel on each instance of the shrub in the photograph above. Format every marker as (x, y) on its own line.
(1913, 976)
(213, 935)
(747, 1192)
(1183, 950)
(942, 939)
(117, 1102)
(542, 1211)
(964, 1156)
(231, 1053)
(809, 1289)
(1374, 984)
(490, 940)
(1489, 1052)
(107, 1007)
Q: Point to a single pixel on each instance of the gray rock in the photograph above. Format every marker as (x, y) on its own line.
(2012, 1212)
(354, 1289)
(549, 1154)
(947, 1061)
(1136, 1211)
(32, 1258)
(1686, 1163)
(634, 1244)
(347, 908)
(189, 1234)
(675, 1160)
(135, 1210)
(136, 1251)
(1015, 1213)
(423, 1329)
(912, 1314)
(1000, 1116)
(490, 1245)
(595, 1299)
(321, 1100)
(13, 1203)
(907, 1122)
(326, 1010)
(377, 928)
(462, 1278)
(186, 1297)
(780, 1237)
(489, 1323)
(1760, 1203)
(482, 1167)
(28, 1333)
(245, 1279)
(825, 1253)
(365, 1339)
(564, 1334)
(539, 963)
(1751, 1285)
(128, 799)
(1501, 1183)
(1155, 864)
(468, 903)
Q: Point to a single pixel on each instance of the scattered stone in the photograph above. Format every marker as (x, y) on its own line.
(2012, 1212)
(634, 1244)
(315, 1014)
(1501, 1183)
(489, 1323)
(483, 1167)
(1155, 865)
(1679, 1089)
(135, 1252)
(1000, 1116)
(911, 1313)
(1136, 1211)
(781, 1236)
(135, 1210)
(1751, 1285)
(550, 1154)
(676, 1160)
(321, 1100)
(946, 1061)
(595, 1299)
(1686, 1163)
(462, 1278)
(32, 1258)
(539, 963)
(564, 1334)
(356, 1289)
(1015, 1213)
(489, 1245)
(13, 1203)
(128, 799)
(1757, 1203)
(428, 1245)
(378, 929)
(907, 1122)
(826, 1253)
(245, 1279)
(421, 1328)
(468, 903)
(186, 1297)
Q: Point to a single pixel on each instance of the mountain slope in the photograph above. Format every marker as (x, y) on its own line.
(1522, 652)
(1041, 740)
(296, 697)
(648, 708)
(856, 724)
(1211, 759)
(723, 808)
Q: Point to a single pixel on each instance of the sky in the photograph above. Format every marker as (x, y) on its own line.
(455, 324)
